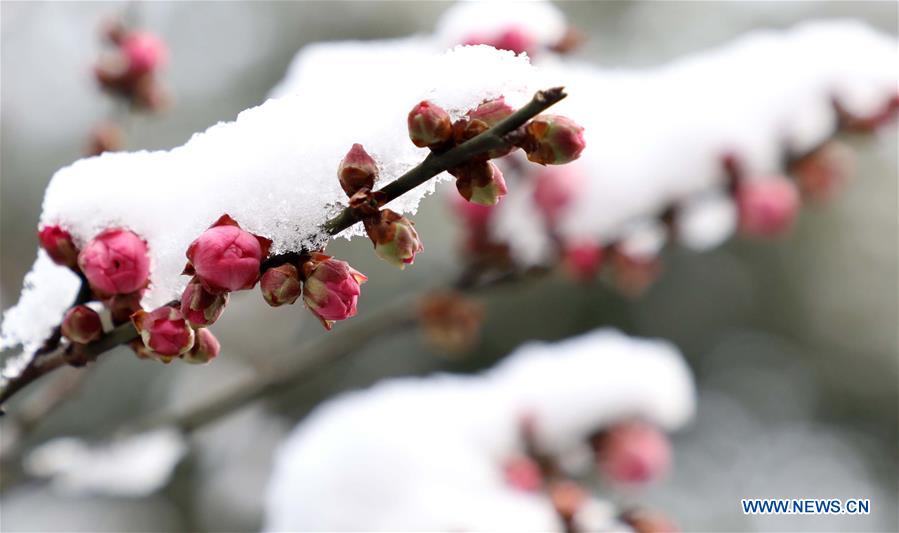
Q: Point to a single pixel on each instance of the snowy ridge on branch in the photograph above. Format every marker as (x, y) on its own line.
(658, 136)
(273, 169)
(426, 453)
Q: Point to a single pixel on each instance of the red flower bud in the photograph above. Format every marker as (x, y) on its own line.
(823, 173)
(226, 258)
(357, 170)
(144, 53)
(523, 473)
(633, 452)
(768, 207)
(394, 237)
(200, 307)
(491, 112)
(142, 352)
(206, 348)
(331, 289)
(164, 330)
(553, 140)
(429, 125)
(81, 324)
(59, 245)
(480, 182)
(281, 285)
(115, 262)
(582, 260)
(554, 190)
(514, 39)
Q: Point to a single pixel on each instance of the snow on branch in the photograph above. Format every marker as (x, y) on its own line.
(451, 452)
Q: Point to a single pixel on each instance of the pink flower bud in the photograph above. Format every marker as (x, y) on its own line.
(331, 289)
(633, 452)
(105, 137)
(81, 324)
(825, 171)
(357, 170)
(768, 207)
(567, 498)
(59, 245)
(554, 190)
(164, 331)
(206, 348)
(394, 237)
(200, 307)
(514, 39)
(144, 52)
(634, 275)
(523, 473)
(226, 258)
(142, 352)
(281, 285)
(553, 140)
(582, 260)
(491, 112)
(480, 183)
(115, 262)
(429, 125)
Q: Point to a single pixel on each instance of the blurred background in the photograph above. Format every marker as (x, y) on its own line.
(793, 343)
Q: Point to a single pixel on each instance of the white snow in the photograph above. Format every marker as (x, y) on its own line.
(132, 466)
(426, 453)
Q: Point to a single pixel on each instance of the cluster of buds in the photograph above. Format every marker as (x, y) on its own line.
(546, 139)
(627, 453)
(130, 69)
(393, 235)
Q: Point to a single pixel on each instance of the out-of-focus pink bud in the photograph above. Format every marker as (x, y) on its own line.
(522, 473)
(768, 207)
(281, 285)
(59, 245)
(491, 112)
(514, 39)
(115, 262)
(164, 330)
(206, 348)
(823, 173)
(567, 498)
(429, 125)
(646, 521)
(480, 182)
(553, 140)
(632, 452)
(450, 321)
(81, 324)
(105, 137)
(357, 170)
(144, 52)
(200, 307)
(634, 275)
(226, 258)
(331, 289)
(122, 306)
(394, 237)
(554, 190)
(582, 260)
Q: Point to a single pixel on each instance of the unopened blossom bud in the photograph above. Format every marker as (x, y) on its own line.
(450, 321)
(646, 521)
(122, 306)
(633, 275)
(331, 288)
(281, 285)
(206, 348)
(226, 258)
(768, 207)
(582, 260)
(394, 237)
(514, 39)
(81, 324)
(200, 307)
(481, 183)
(567, 498)
(142, 352)
(491, 112)
(821, 174)
(555, 188)
(429, 125)
(164, 330)
(522, 473)
(59, 245)
(632, 452)
(106, 137)
(115, 262)
(144, 52)
(553, 140)
(357, 170)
